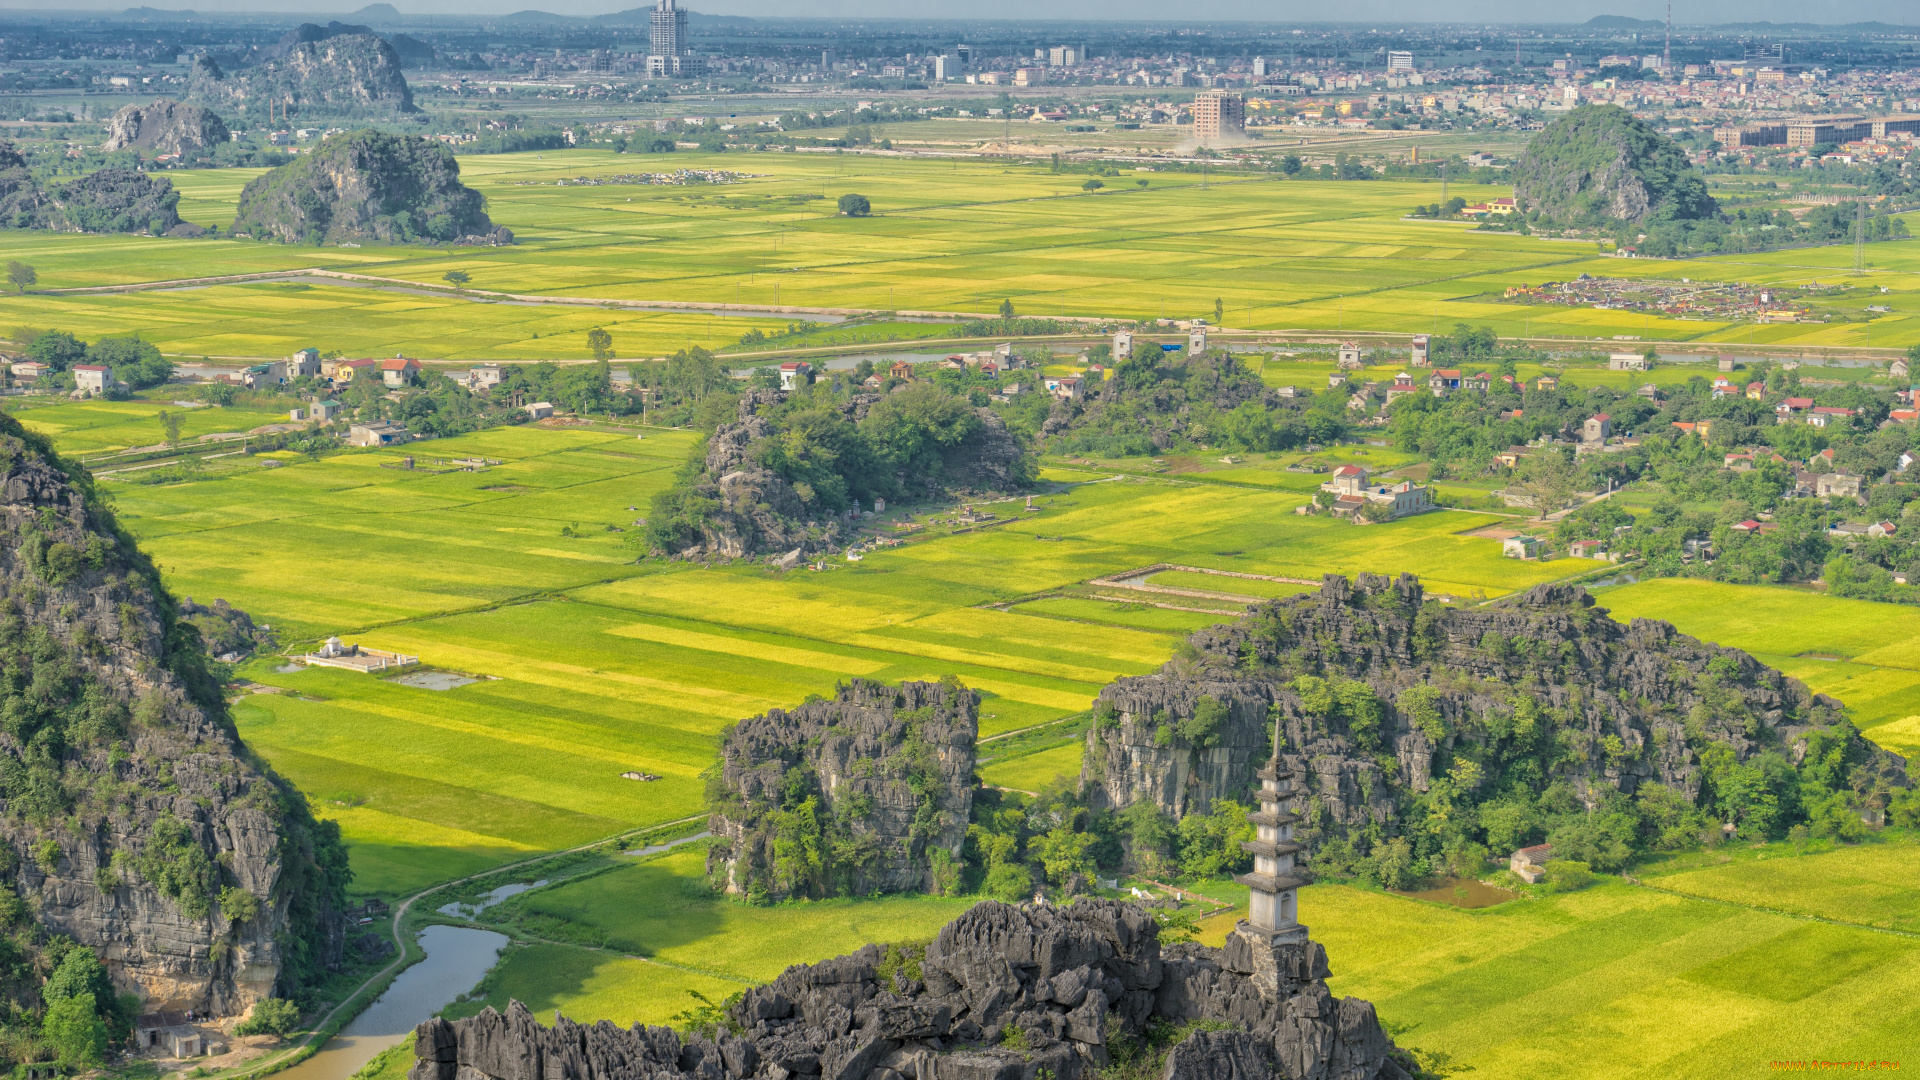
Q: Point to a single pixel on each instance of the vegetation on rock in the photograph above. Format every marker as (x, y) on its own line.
(368, 186)
(354, 74)
(1600, 165)
(112, 200)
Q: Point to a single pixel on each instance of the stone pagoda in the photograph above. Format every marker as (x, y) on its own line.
(1270, 944)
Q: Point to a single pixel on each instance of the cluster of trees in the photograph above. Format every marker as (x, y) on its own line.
(136, 363)
(1501, 785)
(1017, 844)
(1158, 401)
(901, 442)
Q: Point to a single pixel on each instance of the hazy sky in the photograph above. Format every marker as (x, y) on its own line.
(1386, 11)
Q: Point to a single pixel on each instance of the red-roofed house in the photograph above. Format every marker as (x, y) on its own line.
(1598, 428)
(1822, 415)
(1882, 528)
(1904, 416)
(399, 371)
(1792, 405)
(1443, 380)
(1756, 390)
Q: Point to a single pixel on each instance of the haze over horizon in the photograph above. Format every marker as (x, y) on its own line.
(1828, 12)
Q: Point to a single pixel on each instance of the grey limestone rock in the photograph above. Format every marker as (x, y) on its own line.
(165, 127)
(1635, 684)
(860, 757)
(1069, 980)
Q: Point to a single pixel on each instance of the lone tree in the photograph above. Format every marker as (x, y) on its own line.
(457, 278)
(1219, 310)
(1092, 185)
(855, 206)
(170, 423)
(20, 275)
(1006, 309)
(601, 343)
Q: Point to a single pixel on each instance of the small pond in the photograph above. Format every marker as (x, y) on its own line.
(1462, 893)
(468, 911)
(435, 680)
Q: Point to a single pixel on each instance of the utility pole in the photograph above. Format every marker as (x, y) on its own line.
(1860, 237)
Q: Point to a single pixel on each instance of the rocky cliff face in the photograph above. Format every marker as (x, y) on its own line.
(1004, 993)
(887, 771)
(1374, 689)
(368, 186)
(165, 127)
(131, 818)
(1600, 164)
(354, 74)
(106, 201)
(755, 510)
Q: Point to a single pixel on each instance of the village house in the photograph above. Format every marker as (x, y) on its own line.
(303, 363)
(1789, 407)
(1824, 415)
(1627, 362)
(1443, 381)
(1481, 382)
(325, 411)
(1546, 382)
(1881, 529)
(1898, 369)
(1837, 485)
(1510, 457)
(540, 410)
(483, 377)
(1587, 549)
(1336, 378)
(1904, 416)
(399, 371)
(1122, 346)
(93, 377)
(1066, 387)
(1530, 863)
(1756, 391)
(1598, 428)
(1523, 547)
(1402, 386)
(1349, 357)
(345, 371)
(1422, 350)
(1739, 462)
(1352, 492)
(376, 433)
(27, 370)
(1723, 387)
(1197, 341)
(798, 373)
(900, 369)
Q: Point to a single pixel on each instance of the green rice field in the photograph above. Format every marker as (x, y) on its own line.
(946, 236)
(94, 427)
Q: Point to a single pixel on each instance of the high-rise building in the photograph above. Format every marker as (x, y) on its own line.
(964, 53)
(1218, 114)
(826, 59)
(1259, 67)
(1399, 61)
(942, 68)
(668, 53)
(1063, 56)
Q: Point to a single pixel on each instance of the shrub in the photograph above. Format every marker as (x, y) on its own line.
(274, 1016)
(1568, 875)
(855, 206)
(1009, 882)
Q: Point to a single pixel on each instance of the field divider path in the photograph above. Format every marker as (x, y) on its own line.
(329, 1025)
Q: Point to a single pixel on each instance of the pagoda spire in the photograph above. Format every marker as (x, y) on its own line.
(1274, 905)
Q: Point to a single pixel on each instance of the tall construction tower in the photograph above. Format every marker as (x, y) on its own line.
(1666, 54)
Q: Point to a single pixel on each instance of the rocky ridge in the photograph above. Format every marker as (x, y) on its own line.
(1600, 164)
(891, 766)
(165, 127)
(132, 820)
(754, 510)
(1004, 993)
(104, 201)
(368, 185)
(350, 74)
(1637, 704)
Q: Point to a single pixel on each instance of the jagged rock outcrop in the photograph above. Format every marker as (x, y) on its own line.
(165, 127)
(1599, 164)
(891, 767)
(1004, 993)
(104, 201)
(754, 502)
(228, 633)
(1148, 406)
(131, 818)
(346, 74)
(1546, 684)
(368, 186)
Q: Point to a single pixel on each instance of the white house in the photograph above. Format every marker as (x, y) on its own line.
(795, 373)
(483, 377)
(377, 433)
(303, 363)
(94, 377)
(399, 371)
(1122, 346)
(1627, 362)
(540, 410)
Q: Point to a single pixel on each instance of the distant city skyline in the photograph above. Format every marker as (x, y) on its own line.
(1384, 12)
